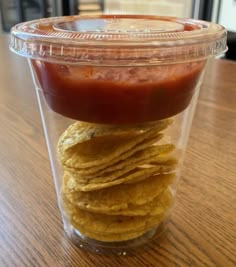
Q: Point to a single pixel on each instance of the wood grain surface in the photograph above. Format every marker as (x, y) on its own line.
(202, 229)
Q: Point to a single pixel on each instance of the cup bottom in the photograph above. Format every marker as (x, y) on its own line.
(121, 248)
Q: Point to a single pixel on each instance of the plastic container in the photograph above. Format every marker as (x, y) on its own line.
(117, 96)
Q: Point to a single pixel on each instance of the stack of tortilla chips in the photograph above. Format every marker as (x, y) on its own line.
(116, 183)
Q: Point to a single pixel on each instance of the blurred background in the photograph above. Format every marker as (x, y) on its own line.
(219, 11)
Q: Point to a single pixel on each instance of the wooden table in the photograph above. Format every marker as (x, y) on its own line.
(202, 229)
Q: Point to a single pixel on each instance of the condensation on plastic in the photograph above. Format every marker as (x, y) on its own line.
(118, 40)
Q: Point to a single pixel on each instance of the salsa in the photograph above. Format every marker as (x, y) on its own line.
(117, 95)
(118, 69)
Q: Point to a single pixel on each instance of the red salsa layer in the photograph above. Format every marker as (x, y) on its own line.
(117, 95)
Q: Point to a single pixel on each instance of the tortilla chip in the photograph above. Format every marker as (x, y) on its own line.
(122, 199)
(107, 237)
(80, 132)
(126, 162)
(103, 151)
(114, 224)
(138, 174)
(119, 197)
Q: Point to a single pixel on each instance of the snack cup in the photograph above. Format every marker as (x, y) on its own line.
(117, 95)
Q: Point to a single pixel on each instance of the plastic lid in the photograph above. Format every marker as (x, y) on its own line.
(118, 40)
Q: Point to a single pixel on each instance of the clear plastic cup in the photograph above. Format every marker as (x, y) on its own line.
(117, 96)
